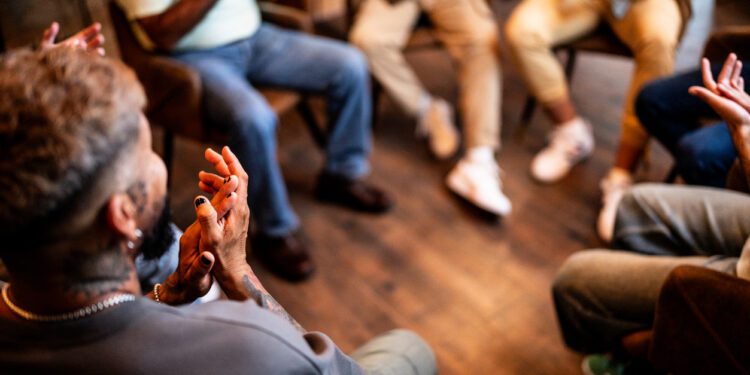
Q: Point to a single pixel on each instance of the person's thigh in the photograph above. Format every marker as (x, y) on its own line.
(602, 295)
(650, 27)
(682, 220)
(380, 23)
(302, 62)
(553, 22)
(463, 23)
(229, 100)
(398, 352)
(665, 107)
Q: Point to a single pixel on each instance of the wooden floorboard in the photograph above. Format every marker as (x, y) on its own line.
(476, 290)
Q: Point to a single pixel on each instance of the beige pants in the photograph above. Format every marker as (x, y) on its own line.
(650, 28)
(467, 28)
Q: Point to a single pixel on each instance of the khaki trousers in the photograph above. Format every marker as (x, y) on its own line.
(651, 29)
(467, 28)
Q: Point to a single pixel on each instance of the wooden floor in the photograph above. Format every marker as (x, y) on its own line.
(476, 290)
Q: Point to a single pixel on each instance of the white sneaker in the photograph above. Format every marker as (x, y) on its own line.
(480, 184)
(613, 188)
(568, 144)
(437, 124)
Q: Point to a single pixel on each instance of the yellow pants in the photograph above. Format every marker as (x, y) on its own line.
(651, 29)
(468, 30)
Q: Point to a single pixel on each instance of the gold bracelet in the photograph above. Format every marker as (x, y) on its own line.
(157, 286)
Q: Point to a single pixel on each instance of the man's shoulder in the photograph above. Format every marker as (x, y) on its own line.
(251, 337)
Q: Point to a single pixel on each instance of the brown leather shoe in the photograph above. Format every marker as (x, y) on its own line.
(287, 257)
(355, 194)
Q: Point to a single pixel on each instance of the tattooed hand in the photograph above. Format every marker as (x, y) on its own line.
(192, 279)
(226, 238)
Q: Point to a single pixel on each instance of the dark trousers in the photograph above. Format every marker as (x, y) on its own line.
(703, 154)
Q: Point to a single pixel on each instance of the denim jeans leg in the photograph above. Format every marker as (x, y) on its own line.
(318, 65)
(673, 116)
(230, 101)
(668, 112)
(705, 156)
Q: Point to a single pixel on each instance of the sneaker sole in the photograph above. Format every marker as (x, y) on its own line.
(458, 186)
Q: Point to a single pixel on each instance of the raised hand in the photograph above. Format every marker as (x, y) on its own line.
(726, 94)
(88, 39)
(226, 239)
(192, 279)
(729, 74)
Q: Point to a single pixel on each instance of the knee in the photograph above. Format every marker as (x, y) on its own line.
(657, 48)
(352, 67)
(484, 35)
(571, 277)
(367, 41)
(521, 34)
(648, 104)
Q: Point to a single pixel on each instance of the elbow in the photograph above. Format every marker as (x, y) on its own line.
(162, 40)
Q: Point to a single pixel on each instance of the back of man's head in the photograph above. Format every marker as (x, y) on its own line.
(66, 118)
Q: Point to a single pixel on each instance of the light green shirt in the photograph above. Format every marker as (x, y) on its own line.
(228, 21)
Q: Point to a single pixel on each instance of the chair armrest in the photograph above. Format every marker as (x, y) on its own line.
(728, 39)
(286, 16)
(700, 326)
(174, 95)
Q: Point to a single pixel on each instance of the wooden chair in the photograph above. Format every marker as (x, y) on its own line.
(174, 89)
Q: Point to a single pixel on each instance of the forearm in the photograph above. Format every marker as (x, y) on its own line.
(167, 28)
(741, 139)
(245, 285)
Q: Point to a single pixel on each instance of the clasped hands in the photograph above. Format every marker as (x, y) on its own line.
(214, 245)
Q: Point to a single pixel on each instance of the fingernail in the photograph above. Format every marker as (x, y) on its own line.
(205, 261)
(229, 195)
(227, 179)
(199, 201)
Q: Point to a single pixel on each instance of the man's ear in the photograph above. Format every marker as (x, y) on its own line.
(121, 218)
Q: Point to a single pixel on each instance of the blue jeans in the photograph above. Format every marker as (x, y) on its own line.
(703, 154)
(290, 60)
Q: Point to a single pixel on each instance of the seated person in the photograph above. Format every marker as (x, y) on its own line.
(232, 50)
(602, 295)
(468, 30)
(651, 28)
(703, 154)
(150, 271)
(84, 195)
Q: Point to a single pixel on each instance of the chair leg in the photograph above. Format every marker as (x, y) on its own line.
(377, 90)
(319, 135)
(168, 152)
(570, 64)
(528, 112)
(672, 175)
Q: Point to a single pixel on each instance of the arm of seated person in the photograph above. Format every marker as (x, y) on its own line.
(89, 39)
(226, 238)
(165, 29)
(192, 279)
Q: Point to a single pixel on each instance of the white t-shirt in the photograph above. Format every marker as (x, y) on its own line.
(228, 21)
